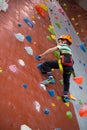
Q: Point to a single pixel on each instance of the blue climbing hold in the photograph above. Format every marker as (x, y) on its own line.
(28, 38)
(28, 22)
(82, 47)
(51, 93)
(19, 24)
(46, 111)
(25, 85)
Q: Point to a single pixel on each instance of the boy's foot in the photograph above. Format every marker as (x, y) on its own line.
(66, 99)
(39, 66)
(48, 81)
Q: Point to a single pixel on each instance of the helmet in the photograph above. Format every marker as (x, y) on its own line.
(67, 37)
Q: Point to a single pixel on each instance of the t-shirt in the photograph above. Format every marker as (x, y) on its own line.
(64, 49)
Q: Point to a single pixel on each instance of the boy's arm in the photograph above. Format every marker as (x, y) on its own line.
(48, 51)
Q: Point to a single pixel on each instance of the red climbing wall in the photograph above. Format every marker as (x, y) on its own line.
(17, 102)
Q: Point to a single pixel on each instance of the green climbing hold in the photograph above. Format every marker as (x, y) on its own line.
(49, 38)
(58, 98)
(58, 25)
(69, 114)
(61, 82)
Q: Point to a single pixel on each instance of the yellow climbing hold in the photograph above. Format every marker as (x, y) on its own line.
(67, 104)
(72, 97)
(44, 7)
(50, 26)
(53, 37)
(1, 70)
(52, 69)
(33, 17)
(53, 104)
(83, 95)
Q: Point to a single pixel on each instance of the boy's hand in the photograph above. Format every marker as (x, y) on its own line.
(37, 57)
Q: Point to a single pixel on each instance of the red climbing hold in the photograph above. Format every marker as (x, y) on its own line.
(78, 80)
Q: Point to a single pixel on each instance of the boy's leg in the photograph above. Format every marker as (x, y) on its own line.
(66, 81)
(47, 66)
(40, 67)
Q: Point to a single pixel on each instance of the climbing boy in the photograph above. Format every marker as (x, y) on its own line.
(63, 47)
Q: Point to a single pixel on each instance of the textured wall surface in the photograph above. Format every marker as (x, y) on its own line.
(22, 99)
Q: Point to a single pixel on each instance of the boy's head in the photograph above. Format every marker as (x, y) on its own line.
(66, 39)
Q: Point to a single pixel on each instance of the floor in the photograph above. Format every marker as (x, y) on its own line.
(23, 100)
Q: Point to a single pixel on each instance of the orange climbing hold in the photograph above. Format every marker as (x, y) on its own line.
(78, 80)
(83, 110)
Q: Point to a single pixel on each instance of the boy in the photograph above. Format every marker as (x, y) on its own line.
(63, 47)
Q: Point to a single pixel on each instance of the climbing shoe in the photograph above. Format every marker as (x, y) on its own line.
(48, 81)
(66, 99)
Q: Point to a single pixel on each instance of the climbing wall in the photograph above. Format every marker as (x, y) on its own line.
(27, 30)
(62, 25)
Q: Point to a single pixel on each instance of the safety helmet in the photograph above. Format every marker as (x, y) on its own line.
(66, 37)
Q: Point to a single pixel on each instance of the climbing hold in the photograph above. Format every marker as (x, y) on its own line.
(67, 104)
(83, 110)
(25, 127)
(58, 98)
(69, 114)
(19, 24)
(51, 93)
(13, 68)
(49, 38)
(21, 62)
(46, 111)
(61, 82)
(37, 105)
(80, 102)
(25, 85)
(61, 11)
(57, 129)
(58, 25)
(40, 10)
(51, 31)
(78, 80)
(82, 47)
(29, 50)
(72, 97)
(53, 104)
(73, 19)
(29, 38)
(56, 17)
(1, 70)
(83, 95)
(19, 37)
(28, 22)
(53, 37)
(80, 87)
(44, 7)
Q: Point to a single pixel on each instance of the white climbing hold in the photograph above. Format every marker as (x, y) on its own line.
(21, 62)
(25, 127)
(29, 50)
(37, 105)
(19, 37)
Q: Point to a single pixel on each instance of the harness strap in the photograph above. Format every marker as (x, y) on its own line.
(60, 65)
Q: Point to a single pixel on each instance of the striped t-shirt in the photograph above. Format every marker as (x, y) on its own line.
(64, 49)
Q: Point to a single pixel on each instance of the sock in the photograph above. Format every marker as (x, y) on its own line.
(66, 93)
(49, 74)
